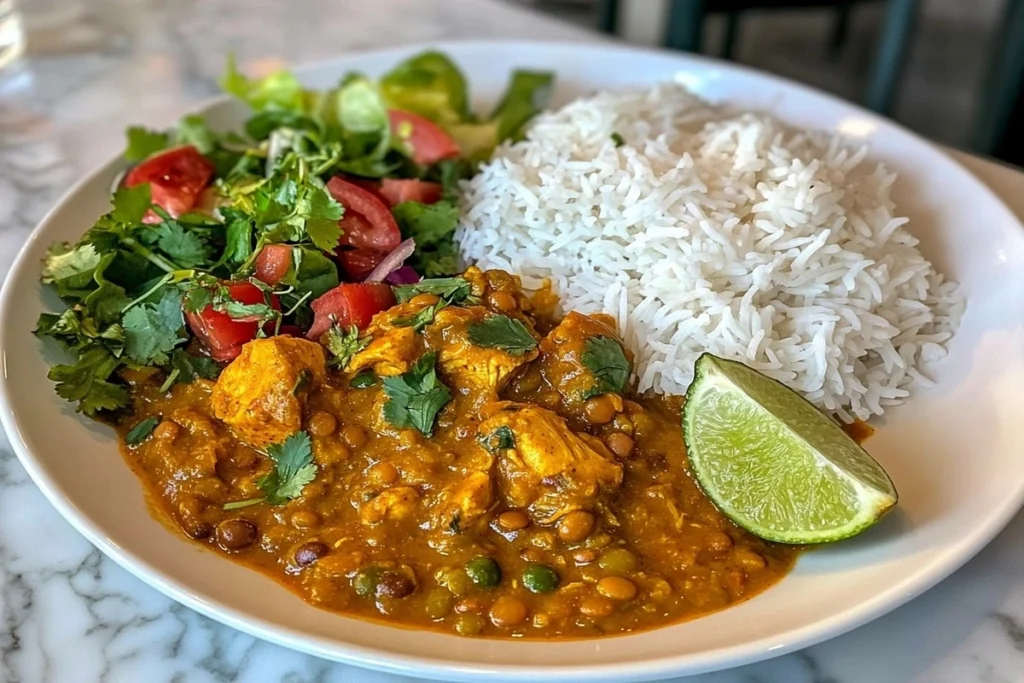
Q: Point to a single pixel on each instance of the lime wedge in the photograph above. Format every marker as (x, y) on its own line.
(773, 463)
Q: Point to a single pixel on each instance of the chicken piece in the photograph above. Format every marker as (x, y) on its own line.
(392, 504)
(393, 348)
(465, 365)
(262, 393)
(546, 468)
(562, 359)
(391, 353)
(462, 504)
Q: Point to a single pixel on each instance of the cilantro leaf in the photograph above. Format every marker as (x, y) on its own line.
(71, 269)
(433, 228)
(141, 431)
(501, 332)
(85, 381)
(293, 469)
(321, 213)
(604, 357)
(618, 139)
(421, 319)
(315, 273)
(153, 330)
(416, 397)
(501, 439)
(191, 367)
(237, 238)
(131, 204)
(344, 344)
(143, 143)
(454, 290)
(182, 246)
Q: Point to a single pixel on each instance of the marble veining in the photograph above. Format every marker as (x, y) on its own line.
(67, 613)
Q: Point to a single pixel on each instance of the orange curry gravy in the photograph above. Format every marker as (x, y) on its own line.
(589, 504)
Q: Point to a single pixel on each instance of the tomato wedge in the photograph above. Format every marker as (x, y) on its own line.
(427, 142)
(358, 263)
(273, 263)
(397, 190)
(350, 304)
(367, 223)
(176, 178)
(220, 334)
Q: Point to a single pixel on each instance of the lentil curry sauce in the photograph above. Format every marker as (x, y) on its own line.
(534, 506)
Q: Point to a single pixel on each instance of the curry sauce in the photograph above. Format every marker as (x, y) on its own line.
(537, 504)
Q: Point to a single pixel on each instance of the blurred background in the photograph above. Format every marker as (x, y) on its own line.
(952, 70)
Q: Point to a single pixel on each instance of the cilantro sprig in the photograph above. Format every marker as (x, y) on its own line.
(454, 290)
(343, 344)
(604, 357)
(293, 469)
(502, 332)
(416, 397)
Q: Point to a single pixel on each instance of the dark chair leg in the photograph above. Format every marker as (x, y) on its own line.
(608, 16)
(840, 28)
(685, 20)
(1004, 85)
(900, 18)
(732, 32)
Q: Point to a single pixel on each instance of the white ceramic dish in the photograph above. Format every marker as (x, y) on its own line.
(953, 450)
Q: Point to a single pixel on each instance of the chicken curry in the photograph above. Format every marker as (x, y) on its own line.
(467, 464)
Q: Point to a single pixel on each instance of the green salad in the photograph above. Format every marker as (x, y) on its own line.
(302, 223)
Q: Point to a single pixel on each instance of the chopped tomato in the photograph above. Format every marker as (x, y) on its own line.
(273, 263)
(367, 223)
(397, 191)
(358, 263)
(350, 304)
(176, 178)
(220, 334)
(427, 142)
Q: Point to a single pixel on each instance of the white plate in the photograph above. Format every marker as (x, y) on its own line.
(953, 451)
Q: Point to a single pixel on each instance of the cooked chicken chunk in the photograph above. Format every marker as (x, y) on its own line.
(546, 468)
(393, 347)
(463, 503)
(261, 394)
(464, 364)
(390, 504)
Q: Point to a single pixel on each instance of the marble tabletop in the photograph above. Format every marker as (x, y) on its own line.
(67, 613)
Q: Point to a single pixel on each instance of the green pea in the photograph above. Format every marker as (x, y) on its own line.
(439, 603)
(540, 578)
(617, 561)
(484, 571)
(469, 624)
(363, 380)
(365, 581)
(457, 581)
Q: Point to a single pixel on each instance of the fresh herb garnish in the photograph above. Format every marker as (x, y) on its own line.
(433, 228)
(454, 290)
(501, 332)
(416, 397)
(424, 317)
(501, 439)
(604, 357)
(141, 431)
(344, 344)
(363, 380)
(293, 469)
(151, 331)
(618, 139)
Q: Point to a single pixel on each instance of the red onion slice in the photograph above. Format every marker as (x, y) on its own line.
(392, 261)
(406, 275)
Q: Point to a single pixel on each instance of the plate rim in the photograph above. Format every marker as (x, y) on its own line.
(437, 667)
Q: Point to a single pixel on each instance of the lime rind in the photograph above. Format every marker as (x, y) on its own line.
(775, 464)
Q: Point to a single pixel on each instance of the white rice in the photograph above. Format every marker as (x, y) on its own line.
(711, 231)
